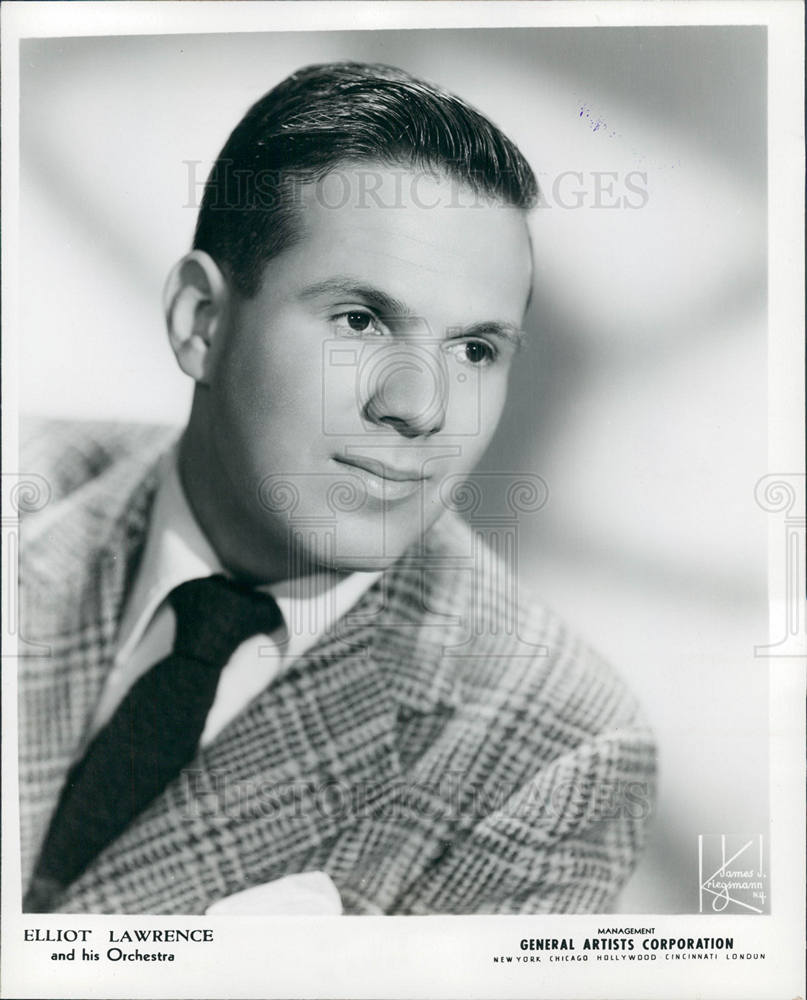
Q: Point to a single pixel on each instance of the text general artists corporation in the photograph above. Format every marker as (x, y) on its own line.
(625, 944)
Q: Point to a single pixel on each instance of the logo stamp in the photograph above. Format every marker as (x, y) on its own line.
(732, 874)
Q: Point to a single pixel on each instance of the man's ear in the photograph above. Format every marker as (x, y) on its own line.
(196, 300)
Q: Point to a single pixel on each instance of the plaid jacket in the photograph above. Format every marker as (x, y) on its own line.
(426, 755)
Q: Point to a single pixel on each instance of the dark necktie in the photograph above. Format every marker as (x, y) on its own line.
(153, 733)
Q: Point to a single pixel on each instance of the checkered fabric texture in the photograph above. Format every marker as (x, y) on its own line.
(424, 754)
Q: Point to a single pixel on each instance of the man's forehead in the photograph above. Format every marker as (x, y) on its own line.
(411, 233)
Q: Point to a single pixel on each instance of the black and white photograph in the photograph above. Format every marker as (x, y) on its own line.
(403, 500)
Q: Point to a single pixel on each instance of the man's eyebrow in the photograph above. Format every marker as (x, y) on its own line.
(510, 332)
(355, 291)
(389, 307)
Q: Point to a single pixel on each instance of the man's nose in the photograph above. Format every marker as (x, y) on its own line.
(406, 388)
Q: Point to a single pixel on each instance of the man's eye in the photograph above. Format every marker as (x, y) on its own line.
(357, 322)
(473, 352)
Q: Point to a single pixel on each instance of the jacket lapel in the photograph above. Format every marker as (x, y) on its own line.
(280, 781)
(71, 605)
(288, 783)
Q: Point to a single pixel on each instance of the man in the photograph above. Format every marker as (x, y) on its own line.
(273, 649)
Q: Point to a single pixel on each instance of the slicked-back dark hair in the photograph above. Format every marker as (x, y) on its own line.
(331, 114)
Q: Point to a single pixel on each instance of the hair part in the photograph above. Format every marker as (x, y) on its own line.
(338, 113)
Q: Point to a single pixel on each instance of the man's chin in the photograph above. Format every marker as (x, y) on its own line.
(355, 545)
(358, 558)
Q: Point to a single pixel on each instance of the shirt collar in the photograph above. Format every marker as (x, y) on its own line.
(177, 550)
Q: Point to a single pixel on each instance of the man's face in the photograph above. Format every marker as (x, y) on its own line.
(368, 374)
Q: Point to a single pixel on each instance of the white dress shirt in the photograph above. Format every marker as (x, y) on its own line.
(176, 550)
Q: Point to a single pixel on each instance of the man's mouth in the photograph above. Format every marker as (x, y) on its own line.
(383, 481)
(384, 470)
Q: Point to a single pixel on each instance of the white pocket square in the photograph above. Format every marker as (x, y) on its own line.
(309, 893)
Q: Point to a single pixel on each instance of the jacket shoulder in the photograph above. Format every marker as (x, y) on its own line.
(68, 454)
(519, 653)
(84, 481)
(550, 760)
